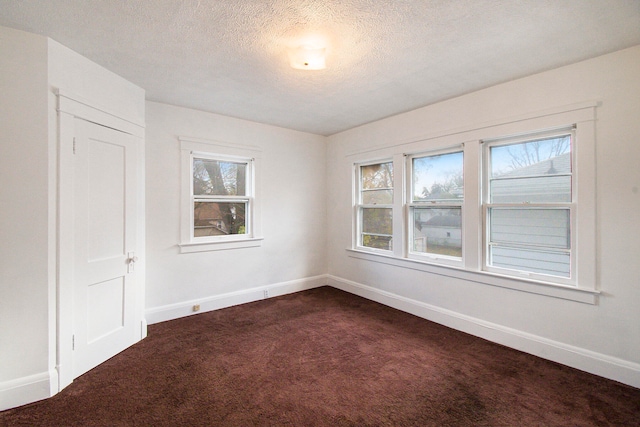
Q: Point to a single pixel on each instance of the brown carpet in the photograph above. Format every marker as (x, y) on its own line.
(327, 358)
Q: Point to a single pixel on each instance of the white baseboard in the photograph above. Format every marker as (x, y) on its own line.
(28, 389)
(24, 390)
(585, 360)
(185, 308)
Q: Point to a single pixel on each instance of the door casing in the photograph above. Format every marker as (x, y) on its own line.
(71, 107)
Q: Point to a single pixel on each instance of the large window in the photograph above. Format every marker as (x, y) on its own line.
(529, 205)
(435, 208)
(375, 206)
(508, 204)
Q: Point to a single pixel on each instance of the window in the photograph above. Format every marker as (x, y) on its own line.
(508, 203)
(220, 209)
(529, 205)
(221, 197)
(435, 208)
(375, 206)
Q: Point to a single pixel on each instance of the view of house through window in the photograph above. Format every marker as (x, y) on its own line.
(529, 204)
(220, 197)
(435, 211)
(375, 208)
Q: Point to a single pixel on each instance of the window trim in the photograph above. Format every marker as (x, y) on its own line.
(582, 116)
(571, 293)
(197, 148)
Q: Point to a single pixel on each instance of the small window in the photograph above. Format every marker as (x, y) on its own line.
(221, 197)
(435, 209)
(219, 206)
(529, 205)
(375, 206)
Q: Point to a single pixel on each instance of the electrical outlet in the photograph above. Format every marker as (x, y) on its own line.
(266, 293)
(196, 307)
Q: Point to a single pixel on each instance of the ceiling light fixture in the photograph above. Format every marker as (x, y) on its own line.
(307, 57)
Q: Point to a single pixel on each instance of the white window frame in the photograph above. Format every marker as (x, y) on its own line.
(246, 199)
(487, 206)
(411, 205)
(359, 206)
(582, 287)
(203, 149)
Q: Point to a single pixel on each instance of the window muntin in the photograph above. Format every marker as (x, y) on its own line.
(375, 206)
(435, 211)
(221, 197)
(529, 206)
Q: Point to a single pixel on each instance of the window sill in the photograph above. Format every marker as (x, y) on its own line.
(586, 296)
(252, 242)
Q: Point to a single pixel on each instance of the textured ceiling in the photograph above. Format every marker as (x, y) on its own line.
(384, 56)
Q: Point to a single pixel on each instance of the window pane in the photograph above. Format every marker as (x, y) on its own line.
(437, 231)
(548, 156)
(522, 226)
(438, 177)
(549, 262)
(377, 220)
(376, 176)
(219, 218)
(546, 189)
(535, 171)
(377, 226)
(219, 178)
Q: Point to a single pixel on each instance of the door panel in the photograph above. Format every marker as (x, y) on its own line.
(106, 314)
(104, 193)
(106, 207)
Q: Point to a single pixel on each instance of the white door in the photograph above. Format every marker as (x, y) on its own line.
(104, 222)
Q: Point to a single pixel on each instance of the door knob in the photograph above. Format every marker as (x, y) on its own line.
(131, 260)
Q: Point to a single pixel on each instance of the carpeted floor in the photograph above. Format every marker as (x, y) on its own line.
(327, 358)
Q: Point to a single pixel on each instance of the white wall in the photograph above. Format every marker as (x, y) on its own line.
(292, 183)
(32, 68)
(602, 338)
(70, 71)
(24, 243)
(306, 214)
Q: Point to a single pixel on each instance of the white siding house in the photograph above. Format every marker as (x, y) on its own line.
(532, 239)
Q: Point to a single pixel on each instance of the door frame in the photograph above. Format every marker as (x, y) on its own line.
(69, 108)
